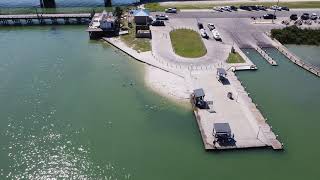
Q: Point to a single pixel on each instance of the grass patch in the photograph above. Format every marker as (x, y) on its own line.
(138, 44)
(298, 4)
(154, 7)
(187, 43)
(235, 58)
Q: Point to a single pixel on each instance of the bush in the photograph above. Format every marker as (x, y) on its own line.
(295, 35)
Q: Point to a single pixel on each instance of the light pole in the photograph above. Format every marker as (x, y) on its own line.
(274, 14)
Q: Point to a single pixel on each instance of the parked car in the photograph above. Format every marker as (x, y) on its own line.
(285, 22)
(157, 23)
(171, 10)
(211, 26)
(269, 16)
(305, 16)
(293, 17)
(204, 34)
(200, 25)
(276, 8)
(308, 22)
(248, 8)
(298, 22)
(285, 8)
(161, 17)
(262, 8)
(217, 8)
(226, 8)
(313, 16)
(254, 8)
(216, 35)
(233, 8)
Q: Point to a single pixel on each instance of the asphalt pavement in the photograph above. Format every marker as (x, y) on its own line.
(235, 14)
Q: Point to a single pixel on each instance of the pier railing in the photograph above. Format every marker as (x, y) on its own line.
(295, 59)
(266, 56)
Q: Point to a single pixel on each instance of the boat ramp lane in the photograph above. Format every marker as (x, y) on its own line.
(266, 56)
(226, 116)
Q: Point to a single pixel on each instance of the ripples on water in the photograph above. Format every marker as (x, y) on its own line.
(42, 146)
(49, 154)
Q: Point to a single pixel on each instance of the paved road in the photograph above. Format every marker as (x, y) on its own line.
(235, 14)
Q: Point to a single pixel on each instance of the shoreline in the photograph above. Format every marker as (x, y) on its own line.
(249, 126)
(159, 80)
(167, 85)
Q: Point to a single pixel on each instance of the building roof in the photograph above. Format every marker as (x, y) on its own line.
(198, 92)
(221, 72)
(222, 128)
(141, 12)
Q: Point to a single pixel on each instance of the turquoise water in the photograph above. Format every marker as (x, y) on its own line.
(309, 54)
(79, 109)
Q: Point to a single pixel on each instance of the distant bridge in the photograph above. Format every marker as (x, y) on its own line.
(29, 19)
(52, 3)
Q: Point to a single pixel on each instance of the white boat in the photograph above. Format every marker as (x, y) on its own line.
(216, 34)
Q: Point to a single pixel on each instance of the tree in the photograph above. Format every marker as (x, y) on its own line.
(118, 12)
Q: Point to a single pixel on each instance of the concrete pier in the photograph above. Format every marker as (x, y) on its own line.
(266, 56)
(246, 122)
(296, 60)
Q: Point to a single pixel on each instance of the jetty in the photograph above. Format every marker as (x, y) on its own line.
(296, 60)
(42, 19)
(225, 103)
(266, 56)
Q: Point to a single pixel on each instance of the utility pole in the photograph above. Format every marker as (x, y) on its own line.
(107, 3)
(47, 3)
(274, 14)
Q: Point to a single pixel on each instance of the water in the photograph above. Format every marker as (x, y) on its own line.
(309, 54)
(78, 109)
(61, 3)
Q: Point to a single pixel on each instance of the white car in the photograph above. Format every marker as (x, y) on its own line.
(216, 35)
(314, 16)
(218, 8)
(204, 34)
(162, 17)
(275, 7)
(171, 10)
(226, 8)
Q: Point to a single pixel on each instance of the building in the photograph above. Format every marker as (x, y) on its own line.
(141, 17)
(103, 24)
(108, 21)
(142, 20)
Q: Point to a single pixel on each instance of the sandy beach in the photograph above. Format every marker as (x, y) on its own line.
(167, 84)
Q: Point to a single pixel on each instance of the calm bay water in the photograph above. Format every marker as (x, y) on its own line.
(61, 3)
(74, 108)
(309, 54)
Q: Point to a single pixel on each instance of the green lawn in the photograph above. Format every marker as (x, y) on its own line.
(138, 44)
(235, 58)
(298, 4)
(187, 43)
